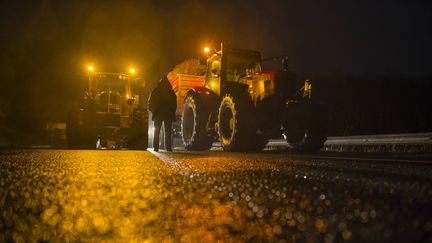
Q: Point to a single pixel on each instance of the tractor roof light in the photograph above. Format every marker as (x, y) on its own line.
(204, 55)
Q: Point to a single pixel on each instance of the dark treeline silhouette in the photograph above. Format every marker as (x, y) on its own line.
(375, 104)
(358, 105)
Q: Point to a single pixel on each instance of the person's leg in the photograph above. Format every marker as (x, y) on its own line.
(157, 128)
(168, 129)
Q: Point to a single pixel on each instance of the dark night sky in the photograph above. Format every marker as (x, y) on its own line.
(46, 44)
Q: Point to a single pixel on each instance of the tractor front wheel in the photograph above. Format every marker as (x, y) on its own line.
(235, 124)
(138, 134)
(194, 124)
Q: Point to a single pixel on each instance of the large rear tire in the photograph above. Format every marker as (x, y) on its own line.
(305, 128)
(305, 140)
(79, 132)
(195, 120)
(260, 142)
(235, 122)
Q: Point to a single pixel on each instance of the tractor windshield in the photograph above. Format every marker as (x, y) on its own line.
(115, 82)
(242, 63)
(237, 65)
(111, 90)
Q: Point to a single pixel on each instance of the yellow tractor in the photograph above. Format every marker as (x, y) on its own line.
(109, 116)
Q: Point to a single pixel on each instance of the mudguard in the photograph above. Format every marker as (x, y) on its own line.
(233, 88)
(208, 97)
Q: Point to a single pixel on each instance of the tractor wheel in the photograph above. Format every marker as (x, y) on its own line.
(138, 133)
(73, 129)
(194, 124)
(310, 134)
(260, 142)
(235, 123)
(138, 141)
(78, 134)
(305, 140)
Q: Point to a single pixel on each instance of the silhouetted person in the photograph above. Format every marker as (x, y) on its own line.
(163, 104)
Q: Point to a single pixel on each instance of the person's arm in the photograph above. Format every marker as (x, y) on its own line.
(173, 101)
(151, 102)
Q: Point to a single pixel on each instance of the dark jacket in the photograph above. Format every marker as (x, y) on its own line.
(163, 101)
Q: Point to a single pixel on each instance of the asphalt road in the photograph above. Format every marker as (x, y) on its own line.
(135, 196)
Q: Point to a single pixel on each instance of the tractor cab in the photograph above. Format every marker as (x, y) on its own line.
(241, 65)
(111, 93)
(231, 65)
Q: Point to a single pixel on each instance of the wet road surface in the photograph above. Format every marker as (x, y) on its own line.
(72, 195)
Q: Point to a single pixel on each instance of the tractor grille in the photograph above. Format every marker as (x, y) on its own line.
(107, 120)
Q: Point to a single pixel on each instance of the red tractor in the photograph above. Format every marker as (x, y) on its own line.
(242, 106)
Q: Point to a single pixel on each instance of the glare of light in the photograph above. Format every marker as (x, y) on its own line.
(90, 68)
(132, 70)
(206, 49)
(151, 131)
